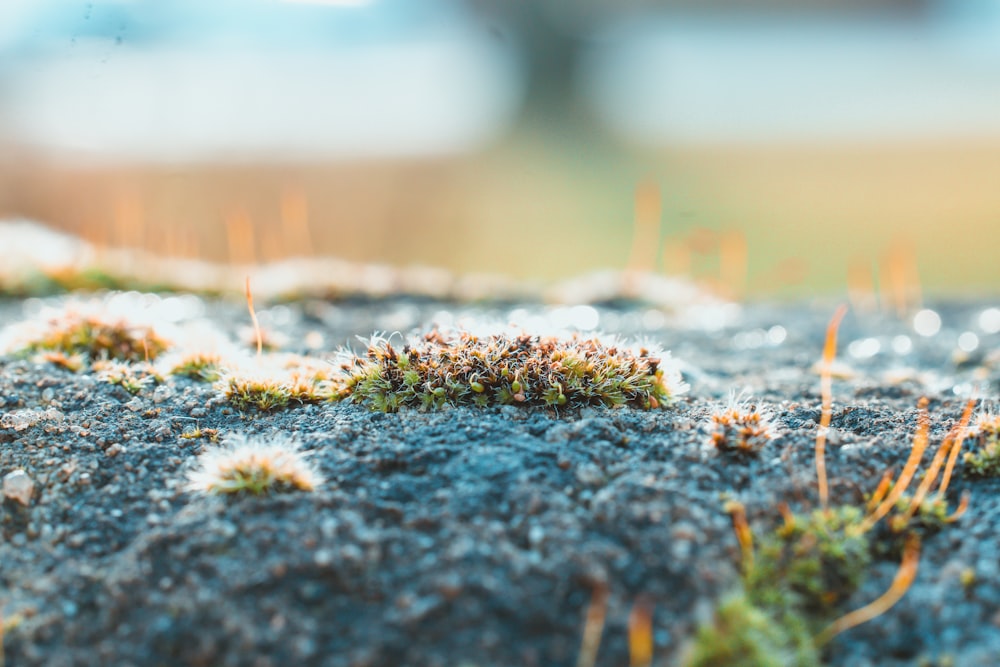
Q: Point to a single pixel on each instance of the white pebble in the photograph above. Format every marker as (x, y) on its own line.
(18, 486)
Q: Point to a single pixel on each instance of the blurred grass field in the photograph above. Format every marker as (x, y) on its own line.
(774, 150)
(547, 206)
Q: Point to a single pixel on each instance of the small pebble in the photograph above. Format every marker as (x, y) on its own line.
(589, 474)
(17, 485)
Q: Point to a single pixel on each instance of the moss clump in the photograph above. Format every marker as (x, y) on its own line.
(741, 633)
(792, 581)
(274, 382)
(741, 427)
(812, 563)
(930, 516)
(97, 337)
(985, 460)
(211, 434)
(440, 370)
(199, 366)
(245, 466)
(264, 394)
(133, 378)
(72, 362)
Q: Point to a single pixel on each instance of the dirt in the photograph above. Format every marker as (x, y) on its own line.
(477, 536)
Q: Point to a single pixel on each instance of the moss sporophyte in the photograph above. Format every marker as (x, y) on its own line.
(806, 569)
(441, 369)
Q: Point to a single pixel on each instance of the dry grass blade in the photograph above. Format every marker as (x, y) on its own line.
(826, 389)
(593, 627)
(253, 317)
(900, 584)
(640, 633)
(916, 452)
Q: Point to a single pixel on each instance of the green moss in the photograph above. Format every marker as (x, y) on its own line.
(279, 382)
(812, 563)
(246, 466)
(985, 460)
(800, 573)
(741, 633)
(133, 378)
(264, 395)
(931, 516)
(200, 367)
(98, 338)
(464, 369)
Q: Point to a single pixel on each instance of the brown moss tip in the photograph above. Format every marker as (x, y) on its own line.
(441, 370)
(741, 427)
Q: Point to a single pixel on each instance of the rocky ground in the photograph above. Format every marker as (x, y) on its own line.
(476, 537)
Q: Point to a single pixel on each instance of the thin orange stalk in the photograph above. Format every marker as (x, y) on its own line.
(956, 435)
(640, 633)
(963, 505)
(916, 452)
(593, 627)
(743, 533)
(900, 584)
(957, 447)
(930, 476)
(826, 389)
(253, 316)
(881, 489)
(786, 514)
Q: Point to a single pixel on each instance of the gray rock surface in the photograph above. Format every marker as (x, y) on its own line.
(472, 536)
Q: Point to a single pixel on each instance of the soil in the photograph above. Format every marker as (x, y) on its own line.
(476, 537)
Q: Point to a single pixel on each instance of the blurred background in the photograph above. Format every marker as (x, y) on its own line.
(760, 146)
